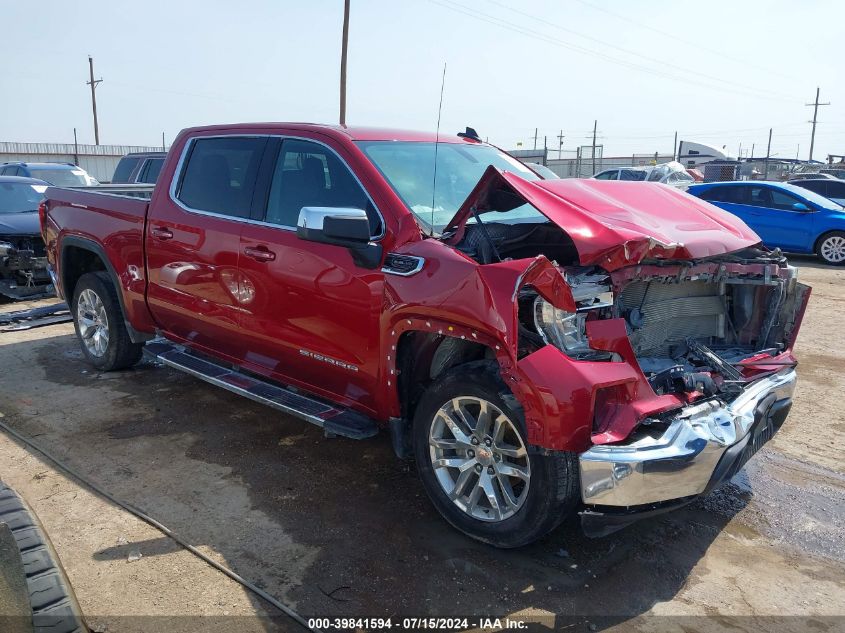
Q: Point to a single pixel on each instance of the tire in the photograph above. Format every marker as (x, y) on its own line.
(53, 603)
(96, 306)
(552, 490)
(831, 248)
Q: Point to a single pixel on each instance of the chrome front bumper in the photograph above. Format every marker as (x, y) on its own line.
(683, 460)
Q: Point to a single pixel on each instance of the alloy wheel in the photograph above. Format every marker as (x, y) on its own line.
(833, 249)
(479, 458)
(93, 323)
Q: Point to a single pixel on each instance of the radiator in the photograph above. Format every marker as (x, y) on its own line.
(660, 315)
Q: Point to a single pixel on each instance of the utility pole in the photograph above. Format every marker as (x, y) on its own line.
(75, 149)
(768, 153)
(343, 47)
(815, 105)
(560, 138)
(535, 137)
(595, 126)
(545, 149)
(675, 147)
(93, 83)
(162, 142)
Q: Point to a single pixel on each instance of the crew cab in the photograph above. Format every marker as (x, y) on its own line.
(540, 347)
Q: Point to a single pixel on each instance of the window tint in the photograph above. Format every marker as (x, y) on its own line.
(784, 201)
(124, 169)
(632, 174)
(150, 171)
(219, 175)
(733, 194)
(608, 175)
(760, 197)
(310, 175)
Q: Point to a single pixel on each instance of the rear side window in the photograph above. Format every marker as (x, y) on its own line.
(608, 175)
(310, 175)
(124, 169)
(151, 170)
(219, 175)
(731, 194)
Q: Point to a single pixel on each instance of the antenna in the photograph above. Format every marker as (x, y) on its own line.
(436, 145)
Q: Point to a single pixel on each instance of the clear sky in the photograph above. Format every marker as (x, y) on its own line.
(720, 72)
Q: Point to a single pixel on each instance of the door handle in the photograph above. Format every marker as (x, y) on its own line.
(162, 233)
(259, 253)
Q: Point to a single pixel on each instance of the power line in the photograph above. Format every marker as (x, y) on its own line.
(684, 69)
(485, 17)
(744, 61)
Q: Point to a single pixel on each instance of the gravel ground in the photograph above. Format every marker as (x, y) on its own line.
(335, 527)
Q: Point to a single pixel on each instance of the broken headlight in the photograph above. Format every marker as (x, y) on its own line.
(567, 330)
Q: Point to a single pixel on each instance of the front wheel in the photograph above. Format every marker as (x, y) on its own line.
(831, 248)
(477, 468)
(100, 328)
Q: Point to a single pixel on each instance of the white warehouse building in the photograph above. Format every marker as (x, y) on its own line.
(97, 160)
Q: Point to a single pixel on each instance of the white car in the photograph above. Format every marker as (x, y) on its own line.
(671, 173)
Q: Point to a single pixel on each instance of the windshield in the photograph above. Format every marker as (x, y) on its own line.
(409, 169)
(19, 197)
(60, 177)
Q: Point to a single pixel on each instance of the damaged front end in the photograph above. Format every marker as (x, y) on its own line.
(23, 267)
(708, 349)
(662, 357)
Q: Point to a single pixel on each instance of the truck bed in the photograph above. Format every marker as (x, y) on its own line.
(108, 221)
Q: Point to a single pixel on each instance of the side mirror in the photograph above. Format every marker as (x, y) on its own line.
(800, 206)
(340, 226)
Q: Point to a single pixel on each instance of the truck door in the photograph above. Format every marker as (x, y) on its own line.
(193, 243)
(313, 317)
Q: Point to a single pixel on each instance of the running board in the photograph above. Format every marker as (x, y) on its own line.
(333, 420)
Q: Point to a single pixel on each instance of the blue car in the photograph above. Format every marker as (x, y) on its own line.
(783, 215)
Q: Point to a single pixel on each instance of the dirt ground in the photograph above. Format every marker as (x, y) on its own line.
(335, 527)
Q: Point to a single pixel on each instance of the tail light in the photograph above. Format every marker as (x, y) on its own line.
(42, 215)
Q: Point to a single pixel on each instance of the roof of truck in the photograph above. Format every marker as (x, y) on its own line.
(355, 133)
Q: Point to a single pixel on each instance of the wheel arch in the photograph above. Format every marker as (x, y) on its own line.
(821, 238)
(80, 255)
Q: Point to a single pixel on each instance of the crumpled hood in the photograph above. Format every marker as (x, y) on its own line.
(612, 223)
(19, 224)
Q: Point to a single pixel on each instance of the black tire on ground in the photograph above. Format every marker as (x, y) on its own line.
(120, 352)
(554, 491)
(54, 605)
(825, 247)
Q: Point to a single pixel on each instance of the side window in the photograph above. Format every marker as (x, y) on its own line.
(219, 174)
(124, 169)
(150, 170)
(608, 175)
(715, 194)
(782, 200)
(311, 175)
(760, 197)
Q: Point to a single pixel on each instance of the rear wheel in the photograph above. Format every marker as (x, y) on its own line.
(476, 465)
(831, 248)
(99, 324)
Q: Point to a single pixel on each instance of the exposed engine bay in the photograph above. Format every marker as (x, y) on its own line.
(704, 327)
(23, 267)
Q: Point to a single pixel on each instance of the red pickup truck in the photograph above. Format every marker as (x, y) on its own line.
(540, 347)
